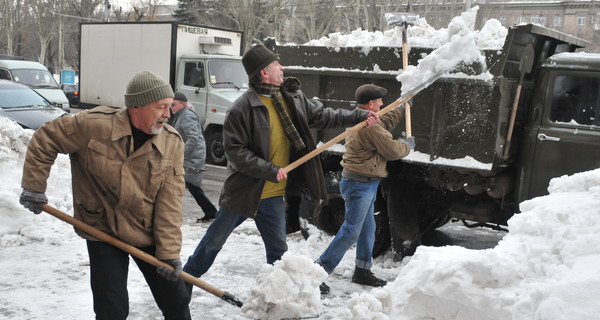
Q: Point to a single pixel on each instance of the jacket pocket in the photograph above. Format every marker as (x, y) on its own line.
(93, 213)
(158, 171)
(102, 162)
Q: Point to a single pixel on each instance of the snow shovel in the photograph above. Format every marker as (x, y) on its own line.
(525, 65)
(406, 96)
(404, 19)
(140, 254)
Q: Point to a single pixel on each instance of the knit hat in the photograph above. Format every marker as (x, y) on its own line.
(180, 96)
(368, 92)
(145, 88)
(256, 59)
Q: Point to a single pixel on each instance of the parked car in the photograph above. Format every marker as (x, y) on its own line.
(72, 93)
(37, 76)
(25, 106)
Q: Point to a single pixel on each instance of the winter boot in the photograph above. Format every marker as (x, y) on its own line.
(324, 288)
(366, 277)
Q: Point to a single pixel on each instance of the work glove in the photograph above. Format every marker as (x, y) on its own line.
(168, 274)
(33, 200)
(410, 141)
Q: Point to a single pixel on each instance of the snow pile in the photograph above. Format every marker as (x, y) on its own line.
(491, 36)
(546, 267)
(287, 289)
(460, 50)
(19, 226)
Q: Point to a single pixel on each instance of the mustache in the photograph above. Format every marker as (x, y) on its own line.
(162, 120)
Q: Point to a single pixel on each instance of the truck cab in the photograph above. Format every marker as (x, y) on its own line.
(211, 83)
(563, 135)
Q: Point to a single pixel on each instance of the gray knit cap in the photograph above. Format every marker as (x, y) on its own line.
(145, 88)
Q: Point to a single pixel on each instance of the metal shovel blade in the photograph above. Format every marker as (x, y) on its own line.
(399, 18)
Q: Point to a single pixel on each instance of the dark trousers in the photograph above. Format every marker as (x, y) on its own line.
(109, 267)
(202, 200)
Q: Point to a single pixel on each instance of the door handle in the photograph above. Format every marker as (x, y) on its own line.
(543, 137)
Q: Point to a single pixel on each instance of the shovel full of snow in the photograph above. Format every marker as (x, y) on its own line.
(406, 96)
(403, 19)
(140, 254)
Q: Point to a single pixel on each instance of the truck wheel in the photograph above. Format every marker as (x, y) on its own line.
(215, 151)
(331, 217)
(383, 238)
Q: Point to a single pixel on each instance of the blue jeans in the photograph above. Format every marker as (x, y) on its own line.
(358, 226)
(270, 221)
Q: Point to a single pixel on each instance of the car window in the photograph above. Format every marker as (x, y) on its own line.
(15, 97)
(576, 100)
(35, 78)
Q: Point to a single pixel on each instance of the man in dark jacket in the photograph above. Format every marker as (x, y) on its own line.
(266, 129)
(187, 123)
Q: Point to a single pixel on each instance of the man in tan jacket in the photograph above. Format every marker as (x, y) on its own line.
(127, 172)
(364, 162)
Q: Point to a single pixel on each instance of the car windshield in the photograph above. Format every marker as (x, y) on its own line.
(227, 74)
(15, 97)
(35, 78)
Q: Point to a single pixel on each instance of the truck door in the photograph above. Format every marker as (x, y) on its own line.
(193, 85)
(567, 140)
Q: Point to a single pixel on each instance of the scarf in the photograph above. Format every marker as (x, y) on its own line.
(286, 121)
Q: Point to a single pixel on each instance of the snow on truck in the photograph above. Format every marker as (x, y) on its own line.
(483, 144)
(202, 62)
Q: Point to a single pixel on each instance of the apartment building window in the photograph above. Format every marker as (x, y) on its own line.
(581, 20)
(521, 19)
(557, 20)
(542, 20)
(502, 20)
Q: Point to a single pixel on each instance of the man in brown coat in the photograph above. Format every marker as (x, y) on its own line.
(127, 169)
(364, 162)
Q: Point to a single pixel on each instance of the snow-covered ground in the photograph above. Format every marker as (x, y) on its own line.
(546, 267)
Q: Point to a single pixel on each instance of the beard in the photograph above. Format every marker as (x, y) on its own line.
(155, 129)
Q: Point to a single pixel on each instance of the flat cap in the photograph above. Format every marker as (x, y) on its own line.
(368, 92)
(180, 96)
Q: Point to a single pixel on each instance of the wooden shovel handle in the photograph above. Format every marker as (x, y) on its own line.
(343, 135)
(404, 66)
(139, 253)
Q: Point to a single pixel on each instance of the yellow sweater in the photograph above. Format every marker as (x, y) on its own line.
(279, 151)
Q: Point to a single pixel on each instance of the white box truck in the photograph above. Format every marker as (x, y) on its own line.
(202, 62)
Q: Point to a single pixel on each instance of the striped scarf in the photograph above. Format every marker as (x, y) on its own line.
(286, 121)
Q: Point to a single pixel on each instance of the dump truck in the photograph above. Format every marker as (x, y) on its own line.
(482, 145)
(202, 62)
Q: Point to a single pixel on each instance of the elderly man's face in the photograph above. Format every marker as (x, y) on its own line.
(151, 117)
(273, 73)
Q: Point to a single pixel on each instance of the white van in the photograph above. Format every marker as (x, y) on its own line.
(37, 76)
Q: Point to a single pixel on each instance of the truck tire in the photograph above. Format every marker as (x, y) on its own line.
(332, 217)
(383, 238)
(215, 151)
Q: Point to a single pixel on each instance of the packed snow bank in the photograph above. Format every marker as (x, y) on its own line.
(548, 263)
(287, 289)
(491, 36)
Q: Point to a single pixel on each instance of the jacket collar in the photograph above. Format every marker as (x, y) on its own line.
(122, 128)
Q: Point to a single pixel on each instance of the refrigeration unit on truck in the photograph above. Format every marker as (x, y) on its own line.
(463, 166)
(202, 62)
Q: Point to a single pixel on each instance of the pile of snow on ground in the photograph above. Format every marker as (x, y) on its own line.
(548, 264)
(287, 289)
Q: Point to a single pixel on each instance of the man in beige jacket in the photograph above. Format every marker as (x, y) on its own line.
(364, 162)
(127, 173)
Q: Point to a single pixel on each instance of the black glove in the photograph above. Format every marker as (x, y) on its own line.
(33, 200)
(410, 141)
(168, 274)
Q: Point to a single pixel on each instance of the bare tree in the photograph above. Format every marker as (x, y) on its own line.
(11, 12)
